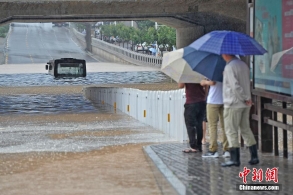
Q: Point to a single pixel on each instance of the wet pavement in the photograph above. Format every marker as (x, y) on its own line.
(111, 170)
(39, 42)
(191, 174)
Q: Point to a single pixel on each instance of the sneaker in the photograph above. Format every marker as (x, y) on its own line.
(226, 154)
(211, 154)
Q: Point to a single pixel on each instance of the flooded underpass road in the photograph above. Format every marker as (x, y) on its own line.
(54, 141)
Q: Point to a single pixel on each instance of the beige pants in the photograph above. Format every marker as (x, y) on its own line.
(238, 118)
(214, 113)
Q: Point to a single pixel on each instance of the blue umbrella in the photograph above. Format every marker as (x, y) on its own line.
(153, 50)
(228, 42)
(208, 64)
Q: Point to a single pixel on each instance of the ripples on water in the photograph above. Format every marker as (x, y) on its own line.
(76, 103)
(12, 80)
(45, 104)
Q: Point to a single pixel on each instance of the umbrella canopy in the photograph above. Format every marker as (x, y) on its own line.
(177, 68)
(208, 64)
(228, 42)
(153, 50)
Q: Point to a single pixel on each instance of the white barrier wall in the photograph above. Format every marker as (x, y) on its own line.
(162, 110)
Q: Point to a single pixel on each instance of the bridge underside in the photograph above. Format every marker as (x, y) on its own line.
(191, 18)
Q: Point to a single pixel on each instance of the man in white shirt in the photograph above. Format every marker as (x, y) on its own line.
(237, 102)
(215, 110)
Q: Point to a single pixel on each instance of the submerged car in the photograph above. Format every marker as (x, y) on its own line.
(66, 67)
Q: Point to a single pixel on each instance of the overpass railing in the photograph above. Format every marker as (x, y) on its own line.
(123, 53)
(163, 110)
(128, 55)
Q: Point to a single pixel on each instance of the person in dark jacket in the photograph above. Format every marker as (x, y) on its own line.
(194, 109)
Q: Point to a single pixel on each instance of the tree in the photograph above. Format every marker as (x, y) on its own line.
(166, 37)
(135, 37)
(145, 24)
(151, 35)
(107, 31)
(4, 30)
(80, 26)
(125, 34)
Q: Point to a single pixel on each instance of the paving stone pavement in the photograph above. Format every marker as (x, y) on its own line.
(190, 174)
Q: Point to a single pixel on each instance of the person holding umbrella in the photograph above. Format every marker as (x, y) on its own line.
(236, 87)
(153, 50)
(237, 102)
(175, 65)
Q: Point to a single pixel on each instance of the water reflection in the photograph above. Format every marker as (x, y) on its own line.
(92, 78)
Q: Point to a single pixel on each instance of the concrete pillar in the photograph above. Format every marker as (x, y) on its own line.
(88, 37)
(185, 36)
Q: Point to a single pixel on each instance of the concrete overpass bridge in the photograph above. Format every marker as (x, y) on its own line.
(191, 18)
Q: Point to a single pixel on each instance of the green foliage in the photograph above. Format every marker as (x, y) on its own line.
(151, 35)
(145, 24)
(4, 30)
(106, 30)
(164, 35)
(80, 26)
(125, 33)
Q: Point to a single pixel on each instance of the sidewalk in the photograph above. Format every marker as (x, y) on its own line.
(190, 174)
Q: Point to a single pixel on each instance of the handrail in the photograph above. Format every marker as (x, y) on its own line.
(125, 54)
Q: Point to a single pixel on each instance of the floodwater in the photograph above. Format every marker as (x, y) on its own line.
(91, 78)
(45, 104)
(62, 143)
(86, 130)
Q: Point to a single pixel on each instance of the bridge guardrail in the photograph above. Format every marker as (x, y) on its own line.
(123, 53)
(126, 54)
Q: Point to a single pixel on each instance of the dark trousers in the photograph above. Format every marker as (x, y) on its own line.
(193, 115)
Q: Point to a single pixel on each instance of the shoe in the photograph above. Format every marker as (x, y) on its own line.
(226, 154)
(211, 154)
(234, 158)
(189, 150)
(253, 153)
